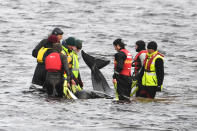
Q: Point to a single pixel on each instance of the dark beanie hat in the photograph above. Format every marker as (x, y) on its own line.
(71, 41)
(141, 45)
(79, 44)
(57, 31)
(53, 39)
(152, 45)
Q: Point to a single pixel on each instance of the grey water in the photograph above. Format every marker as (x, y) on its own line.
(171, 23)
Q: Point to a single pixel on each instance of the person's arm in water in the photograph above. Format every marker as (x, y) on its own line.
(159, 66)
(120, 57)
(38, 47)
(65, 66)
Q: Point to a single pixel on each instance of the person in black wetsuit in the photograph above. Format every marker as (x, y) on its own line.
(152, 74)
(39, 51)
(122, 70)
(56, 65)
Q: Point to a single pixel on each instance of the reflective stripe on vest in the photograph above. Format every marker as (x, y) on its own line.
(75, 65)
(41, 54)
(63, 52)
(149, 78)
(53, 62)
(69, 56)
(137, 61)
(127, 63)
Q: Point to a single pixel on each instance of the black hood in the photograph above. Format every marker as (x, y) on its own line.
(141, 45)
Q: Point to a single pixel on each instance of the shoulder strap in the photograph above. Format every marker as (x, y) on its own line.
(151, 59)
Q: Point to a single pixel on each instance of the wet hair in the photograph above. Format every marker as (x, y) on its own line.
(120, 43)
(141, 45)
(152, 45)
(57, 47)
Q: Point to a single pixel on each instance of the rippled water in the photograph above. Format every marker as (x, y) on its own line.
(173, 24)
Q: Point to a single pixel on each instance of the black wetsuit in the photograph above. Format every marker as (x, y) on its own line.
(123, 82)
(40, 72)
(55, 79)
(150, 91)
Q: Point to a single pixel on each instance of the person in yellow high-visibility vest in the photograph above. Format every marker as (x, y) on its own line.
(68, 45)
(75, 65)
(152, 74)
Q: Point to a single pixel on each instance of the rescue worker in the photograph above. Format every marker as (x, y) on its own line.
(38, 52)
(68, 46)
(152, 74)
(56, 65)
(75, 66)
(140, 57)
(137, 64)
(52, 40)
(122, 70)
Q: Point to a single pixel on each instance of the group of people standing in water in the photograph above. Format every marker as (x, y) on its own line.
(148, 71)
(57, 67)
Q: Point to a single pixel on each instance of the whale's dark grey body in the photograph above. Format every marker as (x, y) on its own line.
(99, 82)
(84, 94)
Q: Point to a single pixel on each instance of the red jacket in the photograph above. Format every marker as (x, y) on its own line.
(127, 63)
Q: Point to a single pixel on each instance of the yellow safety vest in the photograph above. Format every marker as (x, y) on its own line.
(69, 58)
(41, 54)
(75, 65)
(149, 78)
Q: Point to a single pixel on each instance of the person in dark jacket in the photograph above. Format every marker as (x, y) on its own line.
(140, 57)
(138, 62)
(39, 51)
(122, 70)
(152, 74)
(56, 65)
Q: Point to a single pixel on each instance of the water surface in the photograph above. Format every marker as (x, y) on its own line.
(172, 24)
